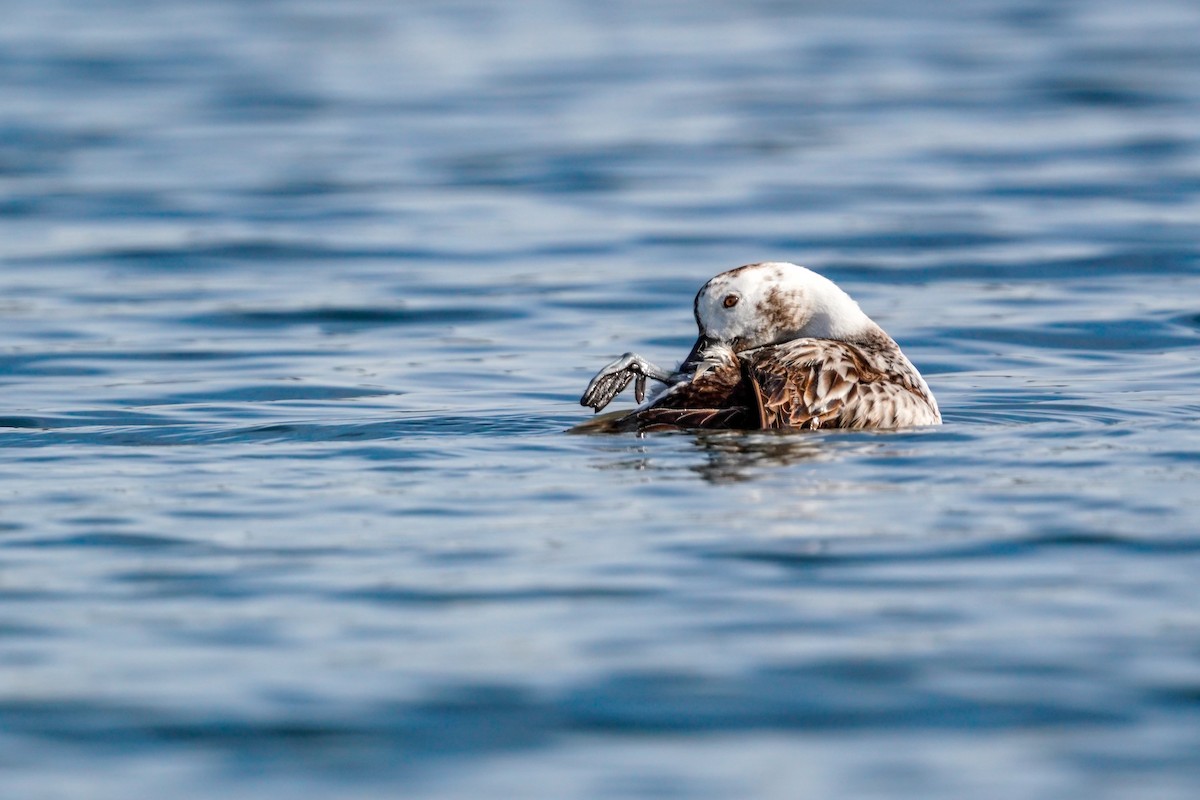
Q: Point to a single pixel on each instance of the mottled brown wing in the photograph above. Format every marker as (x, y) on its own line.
(821, 383)
(655, 419)
(715, 397)
(668, 419)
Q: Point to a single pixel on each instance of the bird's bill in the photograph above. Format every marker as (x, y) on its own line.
(693, 358)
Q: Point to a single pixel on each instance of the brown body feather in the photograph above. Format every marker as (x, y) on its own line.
(802, 384)
(820, 383)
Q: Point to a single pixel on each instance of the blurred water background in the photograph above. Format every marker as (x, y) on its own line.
(296, 303)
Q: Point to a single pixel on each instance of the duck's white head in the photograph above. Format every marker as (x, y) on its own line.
(773, 302)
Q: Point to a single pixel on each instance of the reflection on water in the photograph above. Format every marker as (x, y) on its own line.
(727, 456)
(737, 456)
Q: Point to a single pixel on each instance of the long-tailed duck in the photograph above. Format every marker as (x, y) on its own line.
(780, 347)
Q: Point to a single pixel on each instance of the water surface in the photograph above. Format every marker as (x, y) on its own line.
(296, 304)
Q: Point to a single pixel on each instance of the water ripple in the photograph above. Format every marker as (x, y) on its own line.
(298, 303)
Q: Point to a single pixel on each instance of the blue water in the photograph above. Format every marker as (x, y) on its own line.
(297, 301)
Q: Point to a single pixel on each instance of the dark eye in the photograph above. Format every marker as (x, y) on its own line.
(731, 300)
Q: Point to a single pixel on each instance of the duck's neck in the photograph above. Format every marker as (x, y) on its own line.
(836, 316)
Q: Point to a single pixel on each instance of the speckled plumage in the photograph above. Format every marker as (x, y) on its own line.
(780, 347)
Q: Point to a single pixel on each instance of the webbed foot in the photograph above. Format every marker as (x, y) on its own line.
(612, 380)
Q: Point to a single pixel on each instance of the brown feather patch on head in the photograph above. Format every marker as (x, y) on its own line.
(777, 308)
